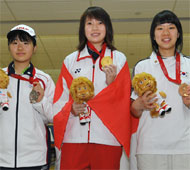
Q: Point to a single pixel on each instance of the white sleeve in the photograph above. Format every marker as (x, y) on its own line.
(45, 106)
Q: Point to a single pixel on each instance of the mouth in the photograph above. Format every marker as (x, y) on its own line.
(166, 40)
(95, 34)
(20, 54)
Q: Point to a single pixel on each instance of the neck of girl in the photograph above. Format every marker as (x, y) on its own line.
(98, 46)
(19, 67)
(167, 52)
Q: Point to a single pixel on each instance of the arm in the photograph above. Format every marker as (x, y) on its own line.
(44, 103)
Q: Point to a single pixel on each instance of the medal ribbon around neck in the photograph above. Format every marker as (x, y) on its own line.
(91, 46)
(162, 65)
(31, 79)
(104, 46)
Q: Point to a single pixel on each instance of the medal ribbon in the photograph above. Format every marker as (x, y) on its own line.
(96, 51)
(100, 54)
(162, 65)
(31, 80)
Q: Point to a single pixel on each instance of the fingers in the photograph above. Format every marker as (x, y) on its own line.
(111, 73)
(188, 90)
(186, 98)
(78, 108)
(38, 88)
(148, 100)
(110, 70)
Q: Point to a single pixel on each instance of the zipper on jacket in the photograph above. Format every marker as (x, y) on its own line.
(16, 125)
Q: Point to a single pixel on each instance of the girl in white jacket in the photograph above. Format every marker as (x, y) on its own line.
(23, 142)
(95, 144)
(164, 142)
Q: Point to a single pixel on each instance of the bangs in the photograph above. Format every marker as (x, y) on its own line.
(97, 14)
(21, 35)
(166, 18)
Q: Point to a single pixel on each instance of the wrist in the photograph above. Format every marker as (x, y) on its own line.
(136, 109)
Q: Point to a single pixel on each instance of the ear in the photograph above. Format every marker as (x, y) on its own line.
(178, 35)
(35, 48)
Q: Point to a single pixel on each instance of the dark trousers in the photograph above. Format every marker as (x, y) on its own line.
(44, 167)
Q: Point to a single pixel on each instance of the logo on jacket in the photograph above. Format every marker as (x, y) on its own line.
(184, 74)
(77, 70)
(185, 77)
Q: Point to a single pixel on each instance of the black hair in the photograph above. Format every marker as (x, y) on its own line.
(99, 14)
(22, 35)
(162, 17)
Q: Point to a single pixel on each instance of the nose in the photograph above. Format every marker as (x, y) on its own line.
(20, 46)
(166, 31)
(94, 26)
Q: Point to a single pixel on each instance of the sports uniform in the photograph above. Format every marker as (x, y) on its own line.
(98, 132)
(95, 132)
(22, 127)
(169, 135)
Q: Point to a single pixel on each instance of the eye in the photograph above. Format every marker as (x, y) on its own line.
(172, 27)
(159, 28)
(100, 22)
(14, 42)
(88, 23)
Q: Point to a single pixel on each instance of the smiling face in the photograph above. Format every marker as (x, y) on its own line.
(21, 51)
(166, 36)
(95, 32)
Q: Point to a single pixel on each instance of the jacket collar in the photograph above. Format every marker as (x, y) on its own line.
(155, 61)
(85, 54)
(29, 71)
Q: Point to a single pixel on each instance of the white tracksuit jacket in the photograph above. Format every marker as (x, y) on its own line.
(170, 134)
(82, 65)
(22, 127)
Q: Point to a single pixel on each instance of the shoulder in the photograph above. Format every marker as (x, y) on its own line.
(186, 57)
(145, 64)
(119, 56)
(42, 75)
(71, 57)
